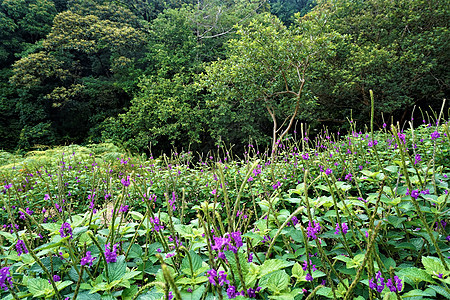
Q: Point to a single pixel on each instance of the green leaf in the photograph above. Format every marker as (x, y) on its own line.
(195, 295)
(326, 292)
(272, 265)
(297, 271)
(39, 286)
(276, 282)
(135, 251)
(117, 270)
(196, 263)
(433, 265)
(440, 290)
(242, 261)
(130, 292)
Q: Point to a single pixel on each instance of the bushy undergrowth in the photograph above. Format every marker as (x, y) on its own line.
(361, 216)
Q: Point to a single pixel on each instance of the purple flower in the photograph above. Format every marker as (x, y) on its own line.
(294, 220)
(305, 156)
(66, 230)
(328, 171)
(5, 279)
(88, 259)
(123, 208)
(111, 254)
(417, 159)
(276, 185)
(252, 292)
(313, 230)
(220, 278)
(232, 292)
(342, 227)
(125, 181)
(21, 247)
(250, 257)
(157, 225)
(348, 177)
(236, 236)
(395, 286)
(435, 135)
(415, 194)
(377, 283)
(56, 278)
(309, 277)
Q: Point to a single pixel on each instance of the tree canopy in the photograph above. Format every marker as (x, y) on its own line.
(192, 73)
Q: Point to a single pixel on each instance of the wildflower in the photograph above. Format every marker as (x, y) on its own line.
(417, 159)
(250, 257)
(415, 194)
(276, 185)
(111, 254)
(435, 135)
(342, 227)
(172, 201)
(348, 177)
(88, 259)
(125, 181)
(252, 292)
(236, 236)
(124, 208)
(232, 292)
(157, 225)
(66, 230)
(21, 247)
(56, 278)
(170, 295)
(395, 286)
(402, 137)
(328, 171)
(309, 277)
(372, 143)
(377, 283)
(250, 179)
(305, 265)
(219, 278)
(305, 156)
(294, 220)
(5, 279)
(313, 230)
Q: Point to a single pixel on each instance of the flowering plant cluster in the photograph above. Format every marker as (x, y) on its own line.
(291, 225)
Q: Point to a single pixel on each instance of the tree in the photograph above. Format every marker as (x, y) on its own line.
(83, 71)
(268, 67)
(398, 49)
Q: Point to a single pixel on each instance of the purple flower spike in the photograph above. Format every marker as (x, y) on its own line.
(111, 254)
(88, 259)
(21, 248)
(66, 230)
(313, 230)
(5, 279)
(435, 135)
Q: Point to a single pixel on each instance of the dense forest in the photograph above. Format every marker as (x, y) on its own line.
(153, 74)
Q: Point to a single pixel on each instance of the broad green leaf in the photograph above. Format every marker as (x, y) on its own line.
(39, 286)
(117, 270)
(275, 282)
(440, 290)
(196, 261)
(271, 265)
(433, 265)
(194, 295)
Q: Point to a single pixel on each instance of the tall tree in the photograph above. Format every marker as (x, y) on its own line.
(268, 67)
(78, 75)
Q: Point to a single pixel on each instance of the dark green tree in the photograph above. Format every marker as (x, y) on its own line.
(82, 72)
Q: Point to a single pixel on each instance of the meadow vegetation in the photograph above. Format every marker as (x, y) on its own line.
(331, 216)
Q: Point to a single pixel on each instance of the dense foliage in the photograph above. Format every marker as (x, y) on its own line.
(361, 216)
(148, 74)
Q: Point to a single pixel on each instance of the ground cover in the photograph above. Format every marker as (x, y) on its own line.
(360, 216)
